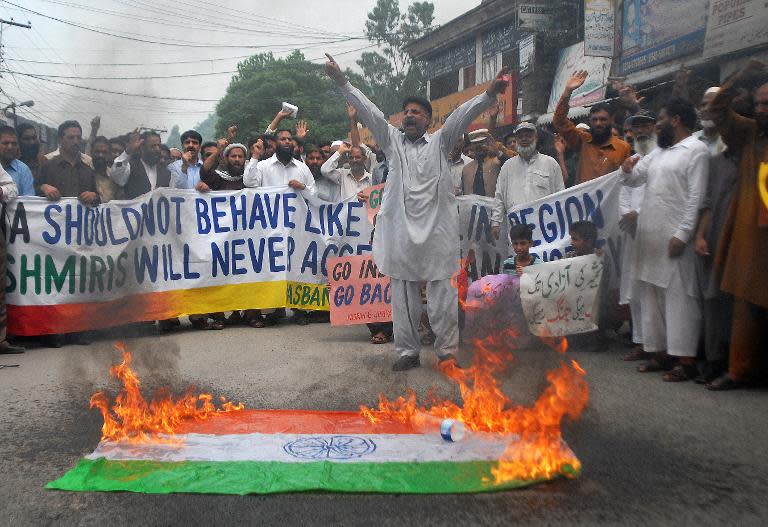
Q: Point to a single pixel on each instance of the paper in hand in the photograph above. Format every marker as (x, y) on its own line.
(288, 107)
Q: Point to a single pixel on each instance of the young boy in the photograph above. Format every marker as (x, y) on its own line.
(522, 240)
(583, 239)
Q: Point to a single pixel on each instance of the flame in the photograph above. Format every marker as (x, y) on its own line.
(131, 418)
(538, 451)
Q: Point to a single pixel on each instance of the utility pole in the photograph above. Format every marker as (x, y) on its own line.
(11, 22)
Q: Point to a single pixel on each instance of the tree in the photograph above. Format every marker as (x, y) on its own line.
(263, 82)
(174, 138)
(391, 73)
(207, 128)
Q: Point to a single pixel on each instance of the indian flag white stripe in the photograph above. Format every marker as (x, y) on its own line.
(308, 448)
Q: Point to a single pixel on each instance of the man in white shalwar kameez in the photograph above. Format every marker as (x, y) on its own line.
(643, 125)
(417, 228)
(675, 177)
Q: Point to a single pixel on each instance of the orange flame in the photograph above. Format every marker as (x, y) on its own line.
(539, 451)
(134, 420)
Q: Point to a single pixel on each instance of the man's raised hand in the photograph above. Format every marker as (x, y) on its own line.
(232, 133)
(352, 112)
(500, 83)
(134, 142)
(333, 70)
(302, 129)
(577, 79)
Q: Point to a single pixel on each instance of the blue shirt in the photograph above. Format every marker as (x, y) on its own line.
(22, 176)
(181, 180)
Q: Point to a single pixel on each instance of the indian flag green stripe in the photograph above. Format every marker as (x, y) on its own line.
(249, 477)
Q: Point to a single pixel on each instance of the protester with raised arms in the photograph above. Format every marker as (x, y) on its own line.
(417, 229)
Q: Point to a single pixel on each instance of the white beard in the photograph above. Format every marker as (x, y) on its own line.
(644, 146)
(527, 151)
(708, 124)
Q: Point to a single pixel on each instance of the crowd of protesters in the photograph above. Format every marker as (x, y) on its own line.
(695, 248)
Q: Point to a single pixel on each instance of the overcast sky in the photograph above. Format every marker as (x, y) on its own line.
(223, 36)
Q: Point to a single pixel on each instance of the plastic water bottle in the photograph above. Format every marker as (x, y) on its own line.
(452, 430)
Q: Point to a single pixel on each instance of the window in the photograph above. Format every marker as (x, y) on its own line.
(444, 85)
(469, 76)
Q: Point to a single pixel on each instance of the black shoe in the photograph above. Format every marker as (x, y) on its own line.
(6, 348)
(169, 324)
(80, 339)
(53, 341)
(723, 383)
(444, 360)
(406, 362)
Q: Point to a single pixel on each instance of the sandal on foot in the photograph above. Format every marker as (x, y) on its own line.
(680, 373)
(723, 383)
(203, 324)
(654, 365)
(257, 323)
(379, 338)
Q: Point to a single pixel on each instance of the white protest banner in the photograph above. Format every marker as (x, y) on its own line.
(170, 253)
(478, 246)
(551, 218)
(175, 252)
(360, 294)
(599, 22)
(733, 26)
(562, 297)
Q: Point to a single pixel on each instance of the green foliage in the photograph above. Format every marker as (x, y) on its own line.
(263, 82)
(174, 138)
(207, 127)
(390, 72)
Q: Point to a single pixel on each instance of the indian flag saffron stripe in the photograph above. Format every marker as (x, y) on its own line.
(29, 320)
(263, 452)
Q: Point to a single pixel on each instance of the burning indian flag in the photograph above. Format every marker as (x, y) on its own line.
(260, 452)
(189, 445)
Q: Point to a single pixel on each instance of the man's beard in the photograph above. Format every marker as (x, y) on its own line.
(708, 124)
(235, 170)
(284, 154)
(357, 166)
(29, 151)
(601, 136)
(527, 151)
(644, 144)
(315, 169)
(99, 164)
(666, 137)
(150, 158)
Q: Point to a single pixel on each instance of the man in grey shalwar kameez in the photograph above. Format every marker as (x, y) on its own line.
(417, 229)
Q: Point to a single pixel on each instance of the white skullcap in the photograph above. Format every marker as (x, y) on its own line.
(713, 89)
(235, 145)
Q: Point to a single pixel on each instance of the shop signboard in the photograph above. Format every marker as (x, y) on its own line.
(733, 26)
(572, 59)
(657, 31)
(599, 21)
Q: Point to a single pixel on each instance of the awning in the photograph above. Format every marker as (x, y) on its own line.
(574, 113)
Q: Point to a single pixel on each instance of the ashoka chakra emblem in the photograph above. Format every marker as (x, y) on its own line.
(330, 447)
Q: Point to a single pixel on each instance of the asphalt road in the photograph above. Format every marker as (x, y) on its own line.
(653, 453)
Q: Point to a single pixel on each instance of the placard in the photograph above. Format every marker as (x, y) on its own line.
(562, 297)
(359, 293)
